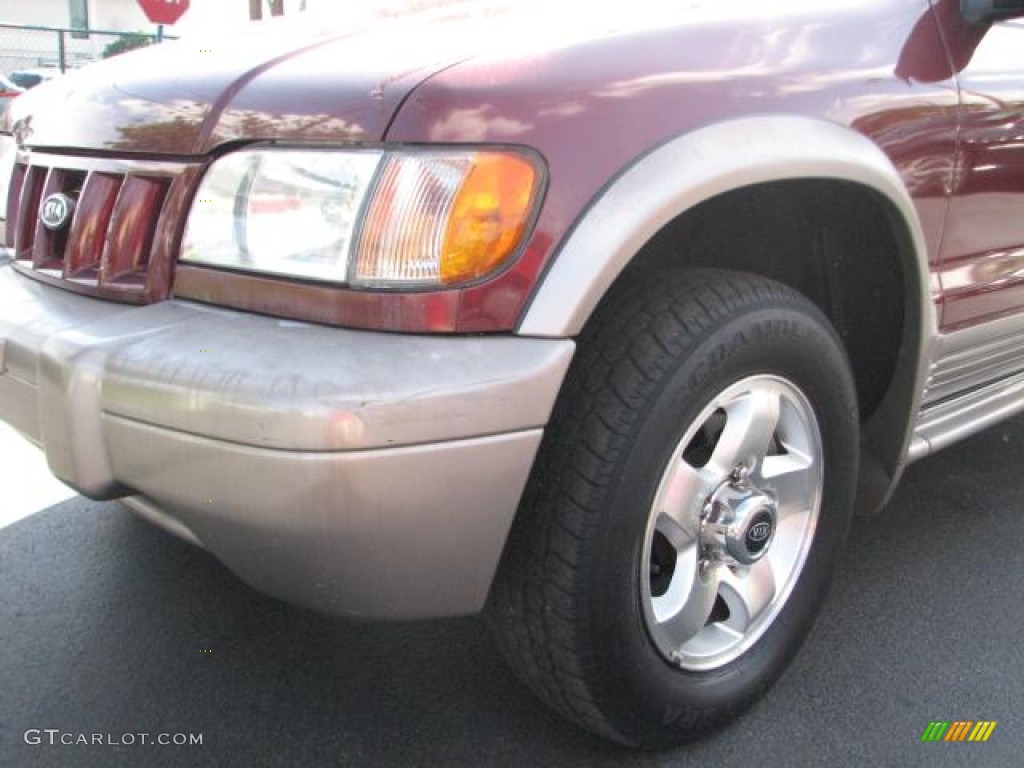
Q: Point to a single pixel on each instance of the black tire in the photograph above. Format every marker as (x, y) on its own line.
(568, 603)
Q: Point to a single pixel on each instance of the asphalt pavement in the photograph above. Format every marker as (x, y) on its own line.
(110, 628)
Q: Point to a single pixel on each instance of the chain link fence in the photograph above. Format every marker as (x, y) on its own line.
(55, 49)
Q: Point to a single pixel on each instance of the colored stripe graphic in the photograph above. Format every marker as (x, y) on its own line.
(935, 731)
(982, 730)
(958, 730)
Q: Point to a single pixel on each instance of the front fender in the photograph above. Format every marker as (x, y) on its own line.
(682, 173)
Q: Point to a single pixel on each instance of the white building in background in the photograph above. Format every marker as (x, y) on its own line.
(114, 15)
(125, 15)
(30, 49)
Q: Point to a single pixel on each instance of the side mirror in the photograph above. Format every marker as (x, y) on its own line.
(987, 11)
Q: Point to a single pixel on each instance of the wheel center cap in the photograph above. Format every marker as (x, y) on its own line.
(739, 523)
(760, 530)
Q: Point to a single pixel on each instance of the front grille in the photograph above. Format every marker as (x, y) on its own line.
(121, 239)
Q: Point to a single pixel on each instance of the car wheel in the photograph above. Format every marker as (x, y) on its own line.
(679, 529)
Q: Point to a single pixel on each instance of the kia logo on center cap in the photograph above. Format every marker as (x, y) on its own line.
(56, 211)
(760, 532)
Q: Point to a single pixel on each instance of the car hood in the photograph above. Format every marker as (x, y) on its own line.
(311, 78)
(337, 77)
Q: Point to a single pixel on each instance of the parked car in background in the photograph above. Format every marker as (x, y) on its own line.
(30, 78)
(600, 319)
(8, 91)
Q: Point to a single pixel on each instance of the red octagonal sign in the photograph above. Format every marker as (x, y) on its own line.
(164, 11)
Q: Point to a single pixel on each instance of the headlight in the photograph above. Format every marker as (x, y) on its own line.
(365, 218)
(285, 212)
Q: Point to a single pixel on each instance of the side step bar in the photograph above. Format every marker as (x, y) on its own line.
(952, 419)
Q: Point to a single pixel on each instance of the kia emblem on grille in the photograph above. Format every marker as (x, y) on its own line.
(56, 212)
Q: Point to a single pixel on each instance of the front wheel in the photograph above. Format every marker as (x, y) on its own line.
(684, 512)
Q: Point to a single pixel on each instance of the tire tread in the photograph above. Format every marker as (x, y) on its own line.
(623, 355)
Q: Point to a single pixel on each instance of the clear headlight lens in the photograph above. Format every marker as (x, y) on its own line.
(280, 212)
(404, 219)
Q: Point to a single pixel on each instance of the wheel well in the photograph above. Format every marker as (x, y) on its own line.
(832, 241)
(848, 249)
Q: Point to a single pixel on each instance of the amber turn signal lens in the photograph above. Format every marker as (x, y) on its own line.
(488, 217)
(444, 217)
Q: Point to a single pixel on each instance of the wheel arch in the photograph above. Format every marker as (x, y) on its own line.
(789, 156)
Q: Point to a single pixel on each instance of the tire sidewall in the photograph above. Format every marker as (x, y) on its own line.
(645, 695)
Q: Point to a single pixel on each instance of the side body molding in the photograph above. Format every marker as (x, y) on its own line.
(721, 157)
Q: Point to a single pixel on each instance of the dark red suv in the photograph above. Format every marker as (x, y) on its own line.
(600, 319)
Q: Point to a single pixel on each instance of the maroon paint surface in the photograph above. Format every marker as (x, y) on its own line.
(592, 93)
(983, 246)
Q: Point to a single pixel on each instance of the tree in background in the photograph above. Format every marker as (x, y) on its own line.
(127, 43)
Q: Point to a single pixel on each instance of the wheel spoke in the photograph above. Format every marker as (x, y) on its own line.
(747, 594)
(749, 428)
(690, 613)
(711, 640)
(792, 478)
(678, 504)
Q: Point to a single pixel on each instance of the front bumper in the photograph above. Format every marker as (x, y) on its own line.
(353, 472)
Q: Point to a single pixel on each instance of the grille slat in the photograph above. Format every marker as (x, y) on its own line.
(28, 211)
(89, 228)
(14, 203)
(48, 246)
(132, 227)
(121, 240)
